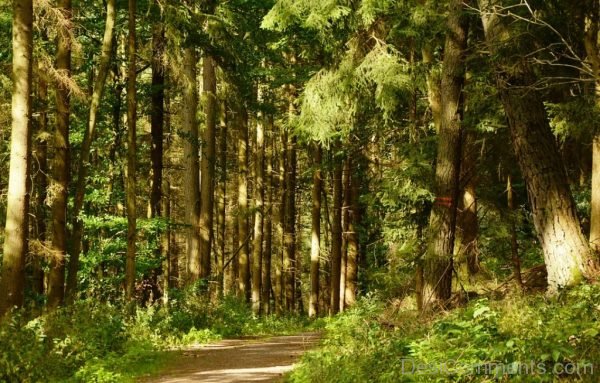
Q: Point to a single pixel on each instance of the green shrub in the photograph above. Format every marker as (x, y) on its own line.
(517, 339)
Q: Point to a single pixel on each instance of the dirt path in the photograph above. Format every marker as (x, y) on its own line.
(238, 360)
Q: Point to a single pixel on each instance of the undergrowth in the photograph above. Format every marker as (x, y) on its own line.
(520, 339)
(102, 343)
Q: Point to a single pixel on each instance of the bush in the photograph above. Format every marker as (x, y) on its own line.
(529, 339)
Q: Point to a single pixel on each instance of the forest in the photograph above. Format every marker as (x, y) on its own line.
(408, 188)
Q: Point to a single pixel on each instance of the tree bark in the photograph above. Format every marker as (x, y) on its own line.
(279, 215)
(221, 196)
(192, 181)
(207, 164)
(243, 225)
(41, 182)
(566, 252)
(437, 287)
(345, 217)
(84, 160)
(268, 225)
(17, 218)
(289, 235)
(354, 218)
(259, 197)
(593, 56)
(336, 239)
(131, 155)
(60, 170)
(157, 117)
(231, 283)
(315, 242)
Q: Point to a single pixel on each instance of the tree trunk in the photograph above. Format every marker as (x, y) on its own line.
(207, 164)
(315, 242)
(17, 206)
(345, 216)
(192, 181)
(41, 182)
(221, 196)
(84, 160)
(60, 170)
(336, 239)
(243, 225)
(268, 225)
(231, 283)
(131, 152)
(259, 196)
(289, 235)
(279, 215)
(566, 252)
(352, 241)
(593, 54)
(437, 287)
(157, 118)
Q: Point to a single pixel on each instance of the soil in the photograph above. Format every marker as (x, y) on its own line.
(238, 360)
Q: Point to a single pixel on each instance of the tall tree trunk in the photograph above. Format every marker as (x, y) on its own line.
(345, 217)
(336, 239)
(192, 182)
(131, 152)
(157, 117)
(84, 160)
(279, 214)
(566, 252)
(221, 196)
(231, 283)
(437, 287)
(315, 241)
(17, 207)
(289, 235)
(207, 164)
(593, 55)
(243, 225)
(268, 228)
(60, 169)
(41, 181)
(259, 197)
(354, 218)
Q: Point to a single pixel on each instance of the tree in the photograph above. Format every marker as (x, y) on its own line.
(591, 41)
(438, 259)
(131, 154)
(566, 252)
(243, 224)
(192, 182)
(268, 222)
(12, 282)
(259, 197)
(84, 160)
(336, 238)
(60, 170)
(315, 248)
(207, 164)
(157, 118)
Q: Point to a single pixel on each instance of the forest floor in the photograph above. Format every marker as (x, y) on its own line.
(248, 359)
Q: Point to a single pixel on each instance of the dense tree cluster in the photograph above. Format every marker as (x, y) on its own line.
(295, 153)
